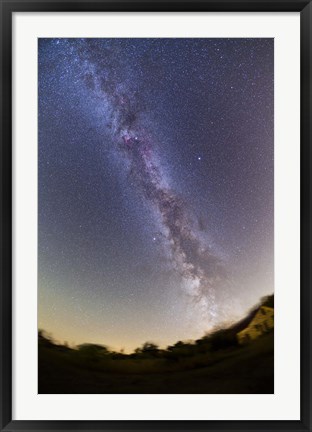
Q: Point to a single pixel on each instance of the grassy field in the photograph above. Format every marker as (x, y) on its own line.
(210, 365)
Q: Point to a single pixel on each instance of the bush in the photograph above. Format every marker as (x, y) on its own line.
(93, 350)
(223, 339)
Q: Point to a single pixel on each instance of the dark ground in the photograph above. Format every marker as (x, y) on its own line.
(205, 367)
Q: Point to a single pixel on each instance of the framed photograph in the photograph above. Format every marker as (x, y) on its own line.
(155, 267)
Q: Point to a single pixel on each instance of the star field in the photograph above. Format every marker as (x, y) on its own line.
(155, 186)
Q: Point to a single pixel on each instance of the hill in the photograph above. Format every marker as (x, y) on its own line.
(215, 363)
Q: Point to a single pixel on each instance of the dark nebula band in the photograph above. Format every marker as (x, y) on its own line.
(190, 258)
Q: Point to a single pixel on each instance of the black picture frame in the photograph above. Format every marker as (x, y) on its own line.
(7, 9)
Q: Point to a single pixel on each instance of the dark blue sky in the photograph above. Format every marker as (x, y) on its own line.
(155, 186)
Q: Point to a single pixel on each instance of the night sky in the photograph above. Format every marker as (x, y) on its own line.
(155, 185)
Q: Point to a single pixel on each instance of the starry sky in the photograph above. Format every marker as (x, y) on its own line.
(155, 186)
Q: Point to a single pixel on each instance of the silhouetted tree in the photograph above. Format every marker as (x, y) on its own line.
(45, 339)
(93, 349)
(268, 301)
(224, 338)
(147, 349)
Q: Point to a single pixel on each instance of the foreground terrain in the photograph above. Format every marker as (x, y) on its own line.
(205, 367)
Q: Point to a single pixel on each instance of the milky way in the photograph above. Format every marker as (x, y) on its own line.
(155, 186)
(189, 257)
